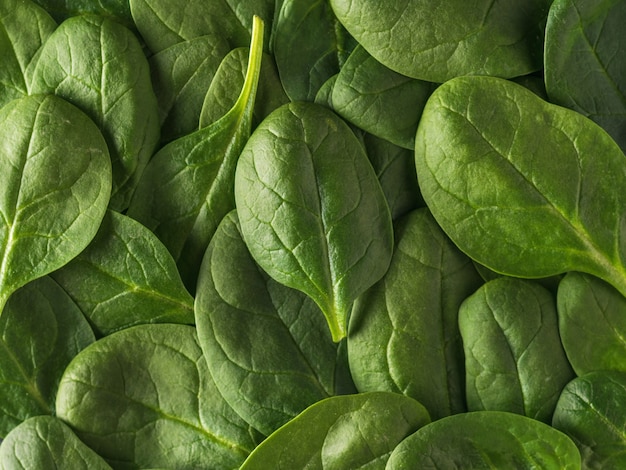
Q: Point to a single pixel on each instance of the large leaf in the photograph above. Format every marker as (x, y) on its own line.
(126, 277)
(45, 443)
(404, 335)
(266, 345)
(513, 354)
(311, 209)
(525, 187)
(489, 440)
(99, 66)
(41, 330)
(583, 66)
(353, 431)
(56, 183)
(590, 410)
(436, 41)
(143, 397)
(188, 186)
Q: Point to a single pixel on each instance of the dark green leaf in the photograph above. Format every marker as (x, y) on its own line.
(41, 330)
(347, 432)
(312, 211)
(126, 277)
(56, 182)
(143, 397)
(404, 335)
(525, 187)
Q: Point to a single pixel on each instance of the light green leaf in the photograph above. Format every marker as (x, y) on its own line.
(312, 211)
(126, 277)
(56, 177)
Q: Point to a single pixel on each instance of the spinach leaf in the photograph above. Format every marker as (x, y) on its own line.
(56, 182)
(510, 329)
(592, 323)
(379, 100)
(126, 277)
(267, 346)
(312, 211)
(404, 335)
(119, 10)
(181, 75)
(436, 41)
(588, 36)
(44, 442)
(352, 431)
(99, 66)
(304, 65)
(41, 330)
(143, 397)
(486, 439)
(525, 187)
(24, 27)
(187, 188)
(590, 410)
(229, 80)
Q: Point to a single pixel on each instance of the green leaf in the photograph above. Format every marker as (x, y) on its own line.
(56, 182)
(24, 27)
(187, 188)
(513, 354)
(287, 361)
(143, 397)
(99, 66)
(588, 36)
(592, 323)
(353, 431)
(404, 335)
(118, 10)
(230, 78)
(524, 187)
(379, 100)
(486, 439)
(590, 410)
(126, 277)
(437, 41)
(181, 75)
(304, 65)
(45, 443)
(311, 209)
(41, 330)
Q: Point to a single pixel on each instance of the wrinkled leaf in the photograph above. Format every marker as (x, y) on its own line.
(326, 228)
(143, 397)
(404, 335)
(525, 187)
(41, 330)
(126, 277)
(514, 359)
(56, 185)
(45, 442)
(352, 431)
(266, 345)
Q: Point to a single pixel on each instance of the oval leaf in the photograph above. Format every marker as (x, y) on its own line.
(311, 209)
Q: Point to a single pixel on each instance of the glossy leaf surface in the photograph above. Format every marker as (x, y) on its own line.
(513, 354)
(56, 185)
(325, 229)
(143, 397)
(590, 411)
(41, 330)
(126, 277)
(45, 442)
(404, 335)
(489, 440)
(435, 41)
(99, 66)
(352, 431)
(550, 205)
